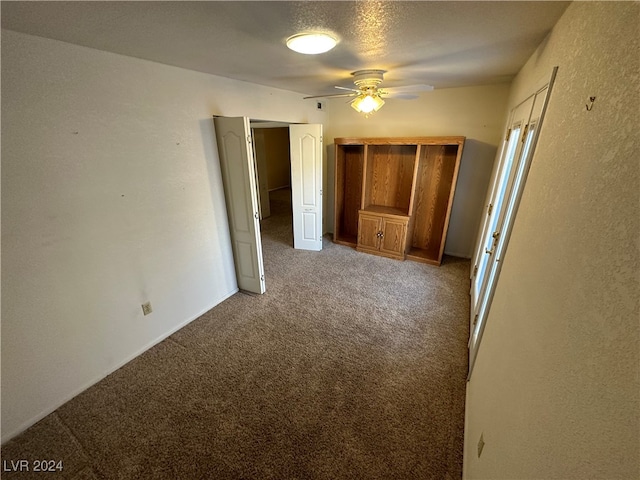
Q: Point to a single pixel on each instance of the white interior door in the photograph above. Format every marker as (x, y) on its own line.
(239, 179)
(506, 193)
(306, 185)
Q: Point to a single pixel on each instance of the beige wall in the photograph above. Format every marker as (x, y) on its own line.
(112, 196)
(555, 390)
(477, 113)
(276, 150)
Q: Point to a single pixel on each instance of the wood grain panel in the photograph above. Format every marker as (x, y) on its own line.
(367, 176)
(354, 161)
(368, 231)
(448, 140)
(387, 211)
(391, 175)
(349, 164)
(395, 236)
(435, 176)
(339, 167)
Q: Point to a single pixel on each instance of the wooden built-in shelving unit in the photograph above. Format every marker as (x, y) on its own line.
(393, 196)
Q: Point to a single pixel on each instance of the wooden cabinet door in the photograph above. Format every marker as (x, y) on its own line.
(394, 237)
(383, 235)
(369, 228)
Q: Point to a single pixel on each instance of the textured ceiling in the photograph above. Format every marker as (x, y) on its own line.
(445, 44)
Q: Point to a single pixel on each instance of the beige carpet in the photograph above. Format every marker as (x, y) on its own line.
(351, 366)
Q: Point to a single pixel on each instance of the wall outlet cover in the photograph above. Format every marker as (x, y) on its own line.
(146, 308)
(480, 444)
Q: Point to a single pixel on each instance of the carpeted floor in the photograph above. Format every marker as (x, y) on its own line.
(351, 366)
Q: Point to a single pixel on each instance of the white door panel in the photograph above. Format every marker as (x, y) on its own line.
(239, 179)
(306, 185)
(309, 226)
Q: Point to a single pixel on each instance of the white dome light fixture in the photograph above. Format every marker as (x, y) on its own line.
(311, 43)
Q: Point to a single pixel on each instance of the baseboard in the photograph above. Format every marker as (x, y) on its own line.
(284, 187)
(458, 254)
(75, 393)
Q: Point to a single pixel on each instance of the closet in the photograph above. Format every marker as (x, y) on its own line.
(393, 196)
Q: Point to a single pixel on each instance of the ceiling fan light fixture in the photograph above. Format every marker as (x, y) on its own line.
(367, 103)
(311, 43)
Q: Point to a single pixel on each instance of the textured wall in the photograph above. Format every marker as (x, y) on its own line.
(111, 196)
(477, 113)
(555, 390)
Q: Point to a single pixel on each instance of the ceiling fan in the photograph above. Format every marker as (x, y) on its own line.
(368, 94)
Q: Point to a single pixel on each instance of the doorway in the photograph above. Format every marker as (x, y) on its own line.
(302, 145)
(240, 175)
(273, 175)
(272, 154)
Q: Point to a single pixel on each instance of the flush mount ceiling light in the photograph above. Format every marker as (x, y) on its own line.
(311, 43)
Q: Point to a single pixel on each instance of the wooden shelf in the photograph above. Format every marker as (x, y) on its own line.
(386, 210)
(398, 179)
(424, 256)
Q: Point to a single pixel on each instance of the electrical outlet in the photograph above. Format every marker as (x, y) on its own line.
(146, 308)
(480, 444)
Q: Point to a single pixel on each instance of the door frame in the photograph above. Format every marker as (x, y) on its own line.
(507, 215)
(500, 194)
(250, 125)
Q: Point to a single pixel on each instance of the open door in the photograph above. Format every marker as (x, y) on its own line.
(306, 185)
(238, 175)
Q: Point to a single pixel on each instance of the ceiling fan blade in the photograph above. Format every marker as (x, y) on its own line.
(350, 89)
(408, 88)
(402, 96)
(332, 96)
